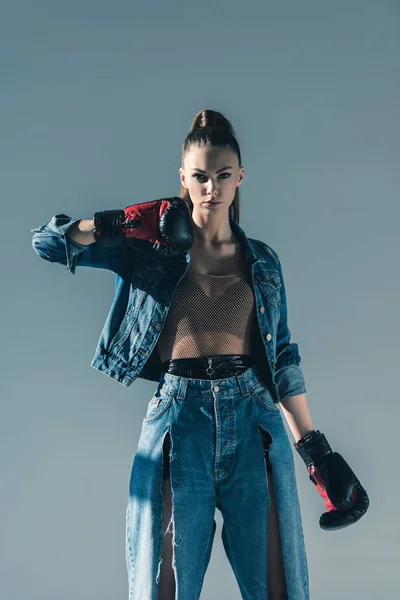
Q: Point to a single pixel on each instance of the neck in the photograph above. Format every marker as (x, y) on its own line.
(213, 230)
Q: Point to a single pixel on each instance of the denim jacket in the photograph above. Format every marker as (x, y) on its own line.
(144, 288)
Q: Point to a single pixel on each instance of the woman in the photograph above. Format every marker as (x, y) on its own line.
(212, 173)
(212, 329)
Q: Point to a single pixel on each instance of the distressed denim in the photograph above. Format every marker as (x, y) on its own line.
(216, 428)
(144, 288)
(217, 431)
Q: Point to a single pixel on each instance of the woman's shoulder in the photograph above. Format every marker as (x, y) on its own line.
(263, 247)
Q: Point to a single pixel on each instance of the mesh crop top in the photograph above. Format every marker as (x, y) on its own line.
(210, 314)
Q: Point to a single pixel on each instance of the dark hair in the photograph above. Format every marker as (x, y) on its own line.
(211, 128)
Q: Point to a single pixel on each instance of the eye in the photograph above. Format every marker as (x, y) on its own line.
(201, 175)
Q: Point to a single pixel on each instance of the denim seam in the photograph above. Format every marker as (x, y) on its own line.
(233, 563)
(203, 568)
(264, 405)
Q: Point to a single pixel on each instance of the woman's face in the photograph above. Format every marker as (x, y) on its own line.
(206, 177)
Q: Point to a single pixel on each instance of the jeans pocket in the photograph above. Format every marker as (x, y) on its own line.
(158, 405)
(263, 396)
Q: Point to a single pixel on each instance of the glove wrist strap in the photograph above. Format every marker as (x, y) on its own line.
(312, 447)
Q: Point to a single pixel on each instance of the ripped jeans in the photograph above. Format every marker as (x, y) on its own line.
(218, 433)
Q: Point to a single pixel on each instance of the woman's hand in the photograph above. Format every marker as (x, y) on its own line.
(345, 498)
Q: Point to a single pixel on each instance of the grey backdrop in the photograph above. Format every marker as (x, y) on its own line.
(96, 99)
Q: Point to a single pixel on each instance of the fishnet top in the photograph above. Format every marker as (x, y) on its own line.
(210, 314)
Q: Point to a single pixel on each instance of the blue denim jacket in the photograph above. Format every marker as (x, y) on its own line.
(144, 288)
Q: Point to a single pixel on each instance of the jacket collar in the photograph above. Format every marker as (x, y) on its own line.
(252, 248)
(251, 252)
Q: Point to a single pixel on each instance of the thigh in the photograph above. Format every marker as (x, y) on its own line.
(275, 568)
(166, 590)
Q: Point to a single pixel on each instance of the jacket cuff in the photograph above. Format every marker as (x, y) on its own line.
(57, 227)
(289, 381)
(289, 377)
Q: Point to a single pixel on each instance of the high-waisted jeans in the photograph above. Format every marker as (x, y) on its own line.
(220, 433)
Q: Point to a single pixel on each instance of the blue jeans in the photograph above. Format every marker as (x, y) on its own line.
(218, 433)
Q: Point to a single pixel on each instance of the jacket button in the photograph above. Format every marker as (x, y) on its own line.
(216, 388)
(262, 309)
(268, 337)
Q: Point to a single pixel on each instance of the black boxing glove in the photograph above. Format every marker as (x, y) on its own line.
(165, 224)
(345, 498)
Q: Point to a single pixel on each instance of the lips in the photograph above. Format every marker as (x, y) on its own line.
(212, 202)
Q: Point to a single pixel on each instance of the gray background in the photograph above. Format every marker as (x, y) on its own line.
(96, 99)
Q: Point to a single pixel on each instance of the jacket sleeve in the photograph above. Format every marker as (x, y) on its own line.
(289, 376)
(51, 243)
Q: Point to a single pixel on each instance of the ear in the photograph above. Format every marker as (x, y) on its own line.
(182, 177)
(241, 177)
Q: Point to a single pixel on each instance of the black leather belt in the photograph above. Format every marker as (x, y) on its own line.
(209, 367)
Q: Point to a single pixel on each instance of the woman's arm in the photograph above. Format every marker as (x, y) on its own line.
(53, 242)
(82, 232)
(296, 412)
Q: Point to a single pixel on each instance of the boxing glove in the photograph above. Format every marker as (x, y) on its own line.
(345, 498)
(164, 225)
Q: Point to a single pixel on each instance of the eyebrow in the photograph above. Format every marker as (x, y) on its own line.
(223, 169)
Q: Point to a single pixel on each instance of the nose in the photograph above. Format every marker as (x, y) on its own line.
(212, 191)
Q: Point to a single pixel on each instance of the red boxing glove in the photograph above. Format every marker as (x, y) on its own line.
(345, 498)
(165, 223)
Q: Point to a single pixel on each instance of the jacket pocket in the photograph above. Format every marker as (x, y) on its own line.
(270, 284)
(148, 270)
